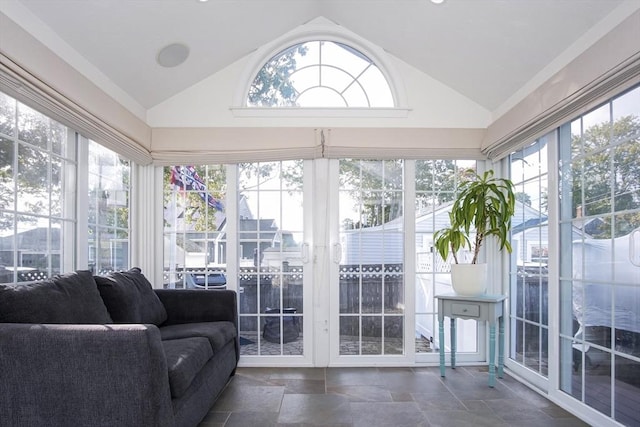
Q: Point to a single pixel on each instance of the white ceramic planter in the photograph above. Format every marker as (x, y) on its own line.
(469, 279)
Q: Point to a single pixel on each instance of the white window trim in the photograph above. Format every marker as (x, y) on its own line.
(319, 29)
(315, 112)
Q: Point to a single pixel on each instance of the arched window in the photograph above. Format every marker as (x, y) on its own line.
(320, 74)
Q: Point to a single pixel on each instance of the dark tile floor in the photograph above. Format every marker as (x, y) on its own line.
(385, 397)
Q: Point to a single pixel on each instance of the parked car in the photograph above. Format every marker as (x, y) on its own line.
(216, 280)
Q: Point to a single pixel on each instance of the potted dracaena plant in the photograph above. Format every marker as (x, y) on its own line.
(483, 209)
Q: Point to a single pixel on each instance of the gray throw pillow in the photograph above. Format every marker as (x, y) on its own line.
(130, 298)
(65, 298)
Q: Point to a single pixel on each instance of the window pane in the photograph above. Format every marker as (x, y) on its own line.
(595, 186)
(378, 91)
(626, 105)
(305, 54)
(322, 97)
(596, 129)
(7, 190)
(33, 180)
(626, 169)
(345, 57)
(7, 115)
(626, 383)
(57, 187)
(57, 246)
(305, 78)
(7, 247)
(356, 96)
(33, 127)
(335, 78)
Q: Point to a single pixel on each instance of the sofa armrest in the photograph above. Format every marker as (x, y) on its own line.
(60, 375)
(199, 305)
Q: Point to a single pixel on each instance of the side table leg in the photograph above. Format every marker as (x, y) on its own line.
(501, 347)
(441, 335)
(453, 343)
(492, 355)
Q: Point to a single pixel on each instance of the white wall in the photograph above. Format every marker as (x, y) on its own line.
(430, 104)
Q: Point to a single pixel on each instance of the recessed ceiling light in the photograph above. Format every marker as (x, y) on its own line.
(173, 55)
(437, 1)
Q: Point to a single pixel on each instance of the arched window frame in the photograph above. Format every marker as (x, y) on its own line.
(310, 33)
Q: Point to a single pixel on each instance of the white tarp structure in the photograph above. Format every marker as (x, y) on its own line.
(607, 282)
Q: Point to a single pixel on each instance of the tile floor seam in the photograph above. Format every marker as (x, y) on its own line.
(361, 404)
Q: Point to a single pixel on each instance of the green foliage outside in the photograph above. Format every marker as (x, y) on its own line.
(272, 87)
(377, 187)
(605, 176)
(32, 173)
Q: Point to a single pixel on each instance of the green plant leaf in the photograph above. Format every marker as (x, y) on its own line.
(484, 205)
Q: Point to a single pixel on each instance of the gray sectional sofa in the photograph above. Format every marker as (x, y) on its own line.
(79, 350)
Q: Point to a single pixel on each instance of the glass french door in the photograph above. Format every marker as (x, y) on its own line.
(385, 273)
(326, 255)
(258, 246)
(363, 270)
(369, 297)
(273, 254)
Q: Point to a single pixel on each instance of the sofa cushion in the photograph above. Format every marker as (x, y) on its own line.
(130, 298)
(65, 298)
(185, 358)
(218, 333)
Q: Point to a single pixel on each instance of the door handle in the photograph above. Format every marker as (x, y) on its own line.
(632, 247)
(304, 253)
(337, 253)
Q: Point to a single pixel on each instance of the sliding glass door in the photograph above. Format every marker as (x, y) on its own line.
(576, 243)
(599, 358)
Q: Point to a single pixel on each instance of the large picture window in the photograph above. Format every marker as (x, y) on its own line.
(594, 252)
(37, 170)
(39, 210)
(600, 258)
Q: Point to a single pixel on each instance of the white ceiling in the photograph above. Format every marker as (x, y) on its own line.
(488, 50)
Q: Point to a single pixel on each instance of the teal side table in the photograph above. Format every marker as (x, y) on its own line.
(487, 308)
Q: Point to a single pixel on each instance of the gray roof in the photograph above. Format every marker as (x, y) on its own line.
(34, 239)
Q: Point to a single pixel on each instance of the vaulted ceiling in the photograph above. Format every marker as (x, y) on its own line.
(488, 50)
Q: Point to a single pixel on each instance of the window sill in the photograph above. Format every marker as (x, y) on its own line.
(300, 112)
